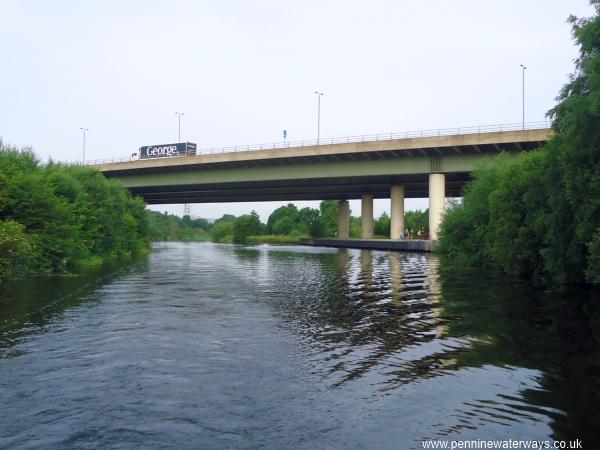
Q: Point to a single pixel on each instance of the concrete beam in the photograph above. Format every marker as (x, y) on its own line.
(334, 169)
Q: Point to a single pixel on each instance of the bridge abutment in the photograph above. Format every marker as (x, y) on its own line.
(397, 212)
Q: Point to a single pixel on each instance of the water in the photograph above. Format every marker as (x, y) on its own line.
(216, 346)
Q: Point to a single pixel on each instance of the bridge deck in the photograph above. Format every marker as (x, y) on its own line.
(320, 172)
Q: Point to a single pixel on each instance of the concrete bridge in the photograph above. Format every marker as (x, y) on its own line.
(435, 164)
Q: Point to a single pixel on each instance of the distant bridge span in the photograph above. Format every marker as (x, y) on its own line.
(399, 167)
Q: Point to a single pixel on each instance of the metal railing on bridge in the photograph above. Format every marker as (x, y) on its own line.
(282, 145)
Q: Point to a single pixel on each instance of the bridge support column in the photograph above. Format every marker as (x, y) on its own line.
(437, 196)
(367, 216)
(397, 212)
(343, 219)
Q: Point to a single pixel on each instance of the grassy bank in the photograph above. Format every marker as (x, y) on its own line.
(274, 239)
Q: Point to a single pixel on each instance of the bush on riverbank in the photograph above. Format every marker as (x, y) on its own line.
(55, 217)
(538, 214)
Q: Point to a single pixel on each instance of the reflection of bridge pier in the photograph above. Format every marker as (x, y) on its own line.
(366, 269)
(396, 276)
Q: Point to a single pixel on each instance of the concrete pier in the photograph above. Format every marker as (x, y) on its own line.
(437, 197)
(397, 212)
(343, 219)
(367, 216)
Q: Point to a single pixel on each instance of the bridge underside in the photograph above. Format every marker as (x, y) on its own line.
(339, 188)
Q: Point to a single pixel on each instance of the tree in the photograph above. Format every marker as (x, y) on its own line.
(289, 211)
(244, 226)
(329, 217)
(200, 223)
(414, 221)
(221, 230)
(17, 250)
(310, 218)
(59, 216)
(576, 150)
(538, 214)
(283, 226)
(224, 218)
(381, 227)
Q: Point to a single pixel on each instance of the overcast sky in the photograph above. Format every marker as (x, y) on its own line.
(243, 71)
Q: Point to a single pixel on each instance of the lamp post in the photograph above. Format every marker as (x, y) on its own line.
(179, 120)
(319, 94)
(523, 68)
(186, 207)
(84, 130)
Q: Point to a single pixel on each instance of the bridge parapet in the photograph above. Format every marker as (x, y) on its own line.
(383, 137)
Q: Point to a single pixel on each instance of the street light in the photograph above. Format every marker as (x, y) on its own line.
(319, 94)
(179, 117)
(186, 207)
(523, 68)
(84, 130)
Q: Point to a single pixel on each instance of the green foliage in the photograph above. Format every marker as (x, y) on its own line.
(310, 217)
(593, 269)
(416, 223)
(381, 226)
(244, 226)
(355, 227)
(168, 227)
(538, 215)
(329, 217)
(284, 225)
(17, 250)
(273, 239)
(289, 212)
(224, 218)
(220, 231)
(55, 216)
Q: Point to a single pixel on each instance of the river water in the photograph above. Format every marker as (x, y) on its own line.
(218, 346)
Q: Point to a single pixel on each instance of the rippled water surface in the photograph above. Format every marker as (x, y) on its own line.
(217, 346)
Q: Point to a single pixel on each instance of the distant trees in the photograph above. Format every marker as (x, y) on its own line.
(381, 226)
(538, 214)
(287, 223)
(169, 227)
(417, 224)
(328, 217)
(244, 226)
(222, 232)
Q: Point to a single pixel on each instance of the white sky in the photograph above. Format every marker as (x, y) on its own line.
(242, 71)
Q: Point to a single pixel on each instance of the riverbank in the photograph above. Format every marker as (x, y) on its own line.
(56, 218)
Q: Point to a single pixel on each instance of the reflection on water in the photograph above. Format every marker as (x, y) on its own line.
(220, 346)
